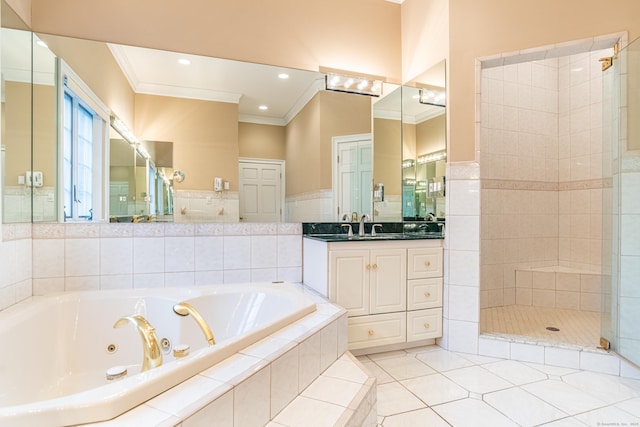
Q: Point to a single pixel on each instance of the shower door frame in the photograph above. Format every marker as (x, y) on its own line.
(621, 212)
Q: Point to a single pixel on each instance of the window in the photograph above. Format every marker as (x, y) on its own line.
(78, 158)
(83, 131)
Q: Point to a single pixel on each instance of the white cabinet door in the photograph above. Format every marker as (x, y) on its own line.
(388, 280)
(349, 277)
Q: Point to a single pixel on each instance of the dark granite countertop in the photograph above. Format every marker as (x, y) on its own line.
(335, 232)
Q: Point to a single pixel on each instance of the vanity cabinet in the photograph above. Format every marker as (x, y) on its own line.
(368, 281)
(392, 290)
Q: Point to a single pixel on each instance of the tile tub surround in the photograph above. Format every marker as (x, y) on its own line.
(120, 256)
(251, 387)
(444, 388)
(15, 264)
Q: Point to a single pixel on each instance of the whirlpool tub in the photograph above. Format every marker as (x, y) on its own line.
(58, 349)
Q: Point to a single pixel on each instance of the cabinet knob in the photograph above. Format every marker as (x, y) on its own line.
(427, 263)
(368, 267)
(370, 332)
(427, 294)
(426, 326)
(375, 266)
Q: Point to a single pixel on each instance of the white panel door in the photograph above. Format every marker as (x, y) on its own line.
(355, 176)
(260, 191)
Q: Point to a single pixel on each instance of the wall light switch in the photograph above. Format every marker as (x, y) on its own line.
(226, 185)
(20, 179)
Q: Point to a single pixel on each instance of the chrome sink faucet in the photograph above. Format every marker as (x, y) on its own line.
(363, 219)
(150, 348)
(346, 217)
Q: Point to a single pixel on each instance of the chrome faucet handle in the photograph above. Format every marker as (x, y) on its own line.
(350, 229)
(346, 217)
(373, 229)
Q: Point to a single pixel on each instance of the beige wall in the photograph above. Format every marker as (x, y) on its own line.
(261, 141)
(387, 155)
(430, 135)
(303, 150)
(44, 133)
(425, 35)
(340, 114)
(21, 9)
(356, 35)
(204, 136)
(310, 133)
(491, 27)
(17, 130)
(95, 65)
(408, 141)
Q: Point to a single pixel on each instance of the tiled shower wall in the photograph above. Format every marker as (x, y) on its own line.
(541, 169)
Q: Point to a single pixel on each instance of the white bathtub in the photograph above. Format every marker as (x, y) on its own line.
(56, 349)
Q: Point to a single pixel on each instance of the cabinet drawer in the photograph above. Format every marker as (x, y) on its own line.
(424, 293)
(424, 324)
(377, 329)
(423, 263)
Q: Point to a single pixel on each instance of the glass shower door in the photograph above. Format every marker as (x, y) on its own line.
(621, 205)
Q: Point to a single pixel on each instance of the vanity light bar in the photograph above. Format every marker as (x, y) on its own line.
(123, 130)
(439, 155)
(407, 163)
(357, 85)
(432, 97)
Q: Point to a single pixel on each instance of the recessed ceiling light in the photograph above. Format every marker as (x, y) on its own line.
(263, 107)
(283, 76)
(184, 61)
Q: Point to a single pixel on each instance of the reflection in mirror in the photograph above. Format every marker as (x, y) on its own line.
(424, 146)
(139, 187)
(211, 111)
(213, 117)
(387, 137)
(28, 71)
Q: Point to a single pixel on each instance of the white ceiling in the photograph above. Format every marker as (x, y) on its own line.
(250, 85)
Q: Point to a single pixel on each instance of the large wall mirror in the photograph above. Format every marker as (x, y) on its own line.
(424, 148)
(247, 142)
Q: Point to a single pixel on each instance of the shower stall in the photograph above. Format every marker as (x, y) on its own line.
(557, 196)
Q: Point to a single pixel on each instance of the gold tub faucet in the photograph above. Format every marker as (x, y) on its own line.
(185, 309)
(150, 347)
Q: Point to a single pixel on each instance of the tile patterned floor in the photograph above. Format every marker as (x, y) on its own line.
(580, 328)
(430, 386)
